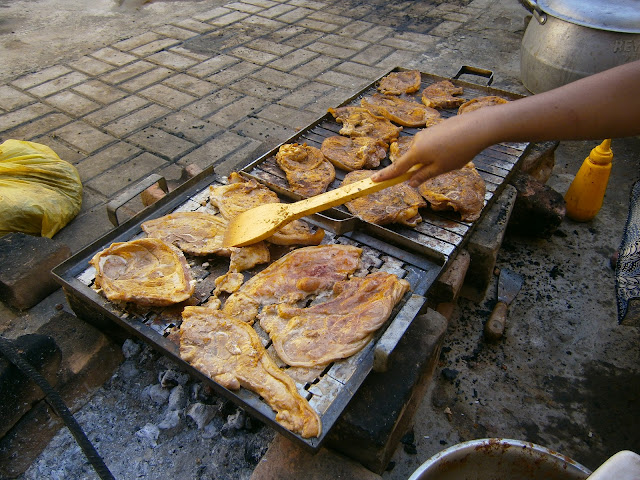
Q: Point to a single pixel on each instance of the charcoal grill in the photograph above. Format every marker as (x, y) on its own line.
(418, 255)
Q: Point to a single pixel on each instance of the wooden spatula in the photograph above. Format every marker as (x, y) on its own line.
(261, 222)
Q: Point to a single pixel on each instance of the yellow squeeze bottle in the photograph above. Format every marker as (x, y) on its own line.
(586, 193)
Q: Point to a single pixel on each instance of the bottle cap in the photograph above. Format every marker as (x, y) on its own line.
(602, 154)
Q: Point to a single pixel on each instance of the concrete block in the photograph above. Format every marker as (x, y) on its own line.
(25, 268)
(381, 412)
(484, 244)
(286, 461)
(447, 287)
(18, 393)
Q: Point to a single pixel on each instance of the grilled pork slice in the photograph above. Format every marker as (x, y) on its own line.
(296, 276)
(231, 353)
(462, 190)
(146, 271)
(441, 95)
(398, 148)
(308, 172)
(360, 122)
(480, 102)
(336, 328)
(402, 111)
(196, 233)
(243, 194)
(354, 153)
(397, 204)
(397, 83)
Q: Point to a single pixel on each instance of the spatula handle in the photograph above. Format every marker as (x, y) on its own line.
(494, 328)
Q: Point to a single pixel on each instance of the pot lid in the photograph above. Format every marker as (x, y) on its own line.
(613, 15)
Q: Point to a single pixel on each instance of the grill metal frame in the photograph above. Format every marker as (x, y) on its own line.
(418, 256)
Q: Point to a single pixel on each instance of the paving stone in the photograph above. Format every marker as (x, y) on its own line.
(167, 96)
(211, 66)
(240, 157)
(359, 70)
(335, 97)
(236, 111)
(303, 96)
(262, 3)
(211, 14)
(214, 150)
(22, 115)
(39, 126)
(332, 50)
(342, 80)
(205, 107)
(445, 29)
(276, 11)
(295, 15)
(372, 55)
(99, 91)
(153, 76)
(268, 46)
(400, 44)
(175, 32)
(172, 60)
(136, 41)
(347, 42)
(304, 39)
(192, 24)
(161, 143)
(315, 67)
(189, 84)
(293, 59)
(309, 4)
(398, 58)
(185, 125)
(269, 133)
(113, 56)
(287, 32)
(243, 7)
(26, 262)
(427, 41)
(127, 72)
(136, 120)
(72, 103)
(261, 25)
(155, 46)
(253, 56)
(100, 162)
(259, 89)
(230, 74)
(318, 25)
(64, 151)
(60, 83)
(228, 19)
(127, 173)
(42, 76)
(91, 66)
(83, 136)
(11, 98)
(116, 110)
(377, 33)
(328, 17)
(288, 117)
(354, 28)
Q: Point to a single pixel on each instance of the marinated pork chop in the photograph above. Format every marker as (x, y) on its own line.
(354, 153)
(462, 190)
(396, 204)
(441, 95)
(402, 111)
(147, 272)
(398, 148)
(480, 102)
(308, 172)
(397, 83)
(243, 194)
(293, 277)
(336, 328)
(230, 352)
(196, 233)
(360, 122)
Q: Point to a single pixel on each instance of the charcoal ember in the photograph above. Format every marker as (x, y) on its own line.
(201, 414)
(202, 393)
(211, 430)
(171, 378)
(235, 421)
(149, 434)
(155, 393)
(128, 370)
(130, 348)
(177, 398)
(172, 423)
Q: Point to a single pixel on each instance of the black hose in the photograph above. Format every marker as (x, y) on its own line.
(56, 402)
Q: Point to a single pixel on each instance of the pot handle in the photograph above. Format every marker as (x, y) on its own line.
(537, 12)
(467, 70)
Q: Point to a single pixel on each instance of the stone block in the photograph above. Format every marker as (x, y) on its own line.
(393, 397)
(286, 461)
(539, 160)
(18, 393)
(538, 210)
(484, 243)
(25, 268)
(447, 287)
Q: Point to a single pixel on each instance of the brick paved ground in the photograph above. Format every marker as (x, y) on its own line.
(225, 86)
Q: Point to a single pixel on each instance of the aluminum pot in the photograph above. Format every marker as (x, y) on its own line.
(571, 39)
(491, 458)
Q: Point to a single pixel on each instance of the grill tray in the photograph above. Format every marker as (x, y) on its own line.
(418, 255)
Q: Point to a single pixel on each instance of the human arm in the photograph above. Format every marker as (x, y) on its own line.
(603, 105)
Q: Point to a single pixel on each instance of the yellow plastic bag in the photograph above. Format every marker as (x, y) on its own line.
(39, 192)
